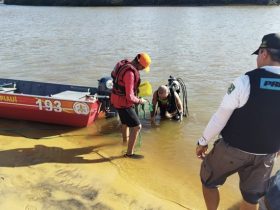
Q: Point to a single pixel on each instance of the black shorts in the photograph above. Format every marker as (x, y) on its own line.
(129, 117)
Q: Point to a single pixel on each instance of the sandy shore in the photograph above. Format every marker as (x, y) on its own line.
(47, 169)
(56, 168)
(49, 177)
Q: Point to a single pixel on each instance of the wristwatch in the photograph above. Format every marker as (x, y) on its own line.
(201, 145)
(198, 144)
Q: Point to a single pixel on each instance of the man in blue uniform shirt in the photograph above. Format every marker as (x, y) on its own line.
(248, 121)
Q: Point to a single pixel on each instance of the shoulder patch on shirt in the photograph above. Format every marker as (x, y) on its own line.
(230, 88)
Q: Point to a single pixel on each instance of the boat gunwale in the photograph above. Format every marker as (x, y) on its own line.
(50, 97)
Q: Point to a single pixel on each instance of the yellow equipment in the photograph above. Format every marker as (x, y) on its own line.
(145, 89)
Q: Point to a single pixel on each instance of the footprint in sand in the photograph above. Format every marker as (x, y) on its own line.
(29, 207)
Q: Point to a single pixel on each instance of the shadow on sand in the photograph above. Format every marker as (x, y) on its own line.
(42, 154)
(235, 206)
(37, 130)
(32, 130)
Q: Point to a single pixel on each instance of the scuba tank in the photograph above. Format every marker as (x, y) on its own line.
(177, 85)
(174, 85)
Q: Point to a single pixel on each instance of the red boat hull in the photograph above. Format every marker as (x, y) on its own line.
(49, 110)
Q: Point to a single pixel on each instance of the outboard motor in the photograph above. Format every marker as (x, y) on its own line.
(105, 86)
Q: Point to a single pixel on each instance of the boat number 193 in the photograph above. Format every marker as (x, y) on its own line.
(48, 105)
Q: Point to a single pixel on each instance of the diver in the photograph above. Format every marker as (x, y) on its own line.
(169, 103)
(171, 99)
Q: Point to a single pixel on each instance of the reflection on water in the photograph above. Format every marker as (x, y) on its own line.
(205, 46)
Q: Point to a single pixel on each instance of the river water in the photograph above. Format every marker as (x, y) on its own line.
(205, 46)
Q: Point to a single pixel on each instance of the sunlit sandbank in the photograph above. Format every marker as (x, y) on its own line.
(50, 167)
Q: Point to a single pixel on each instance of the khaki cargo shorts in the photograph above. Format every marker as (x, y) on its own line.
(254, 170)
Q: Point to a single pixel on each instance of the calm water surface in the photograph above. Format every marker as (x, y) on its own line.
(206, 46)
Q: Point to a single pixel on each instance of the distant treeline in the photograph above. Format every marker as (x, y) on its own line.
(137, 2)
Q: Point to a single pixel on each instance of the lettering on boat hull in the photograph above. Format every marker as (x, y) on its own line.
(10, 99)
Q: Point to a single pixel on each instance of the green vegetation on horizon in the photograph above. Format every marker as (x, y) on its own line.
(137, 2)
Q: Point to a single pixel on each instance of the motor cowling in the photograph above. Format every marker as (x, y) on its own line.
(105, 86)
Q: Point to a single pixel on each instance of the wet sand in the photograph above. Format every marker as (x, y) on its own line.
(54, 168)
(49, 167)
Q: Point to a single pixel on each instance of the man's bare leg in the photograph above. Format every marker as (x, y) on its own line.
(132, 139)
(125, 133)
(211, 197)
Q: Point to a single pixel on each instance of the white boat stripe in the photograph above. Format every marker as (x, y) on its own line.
(2, 102)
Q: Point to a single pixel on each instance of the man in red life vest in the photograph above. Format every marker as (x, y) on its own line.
(126, 80)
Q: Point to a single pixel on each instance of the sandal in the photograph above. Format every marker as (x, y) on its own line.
(134, 156)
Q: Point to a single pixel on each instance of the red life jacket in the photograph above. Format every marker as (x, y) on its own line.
(118, 73)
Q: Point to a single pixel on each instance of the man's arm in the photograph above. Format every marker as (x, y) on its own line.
(129, 88)
(178, 102)
(179, 106)
(214, 127)
(216, 124)
(236, 97)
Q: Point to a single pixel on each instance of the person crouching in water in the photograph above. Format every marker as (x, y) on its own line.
(169, 103)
